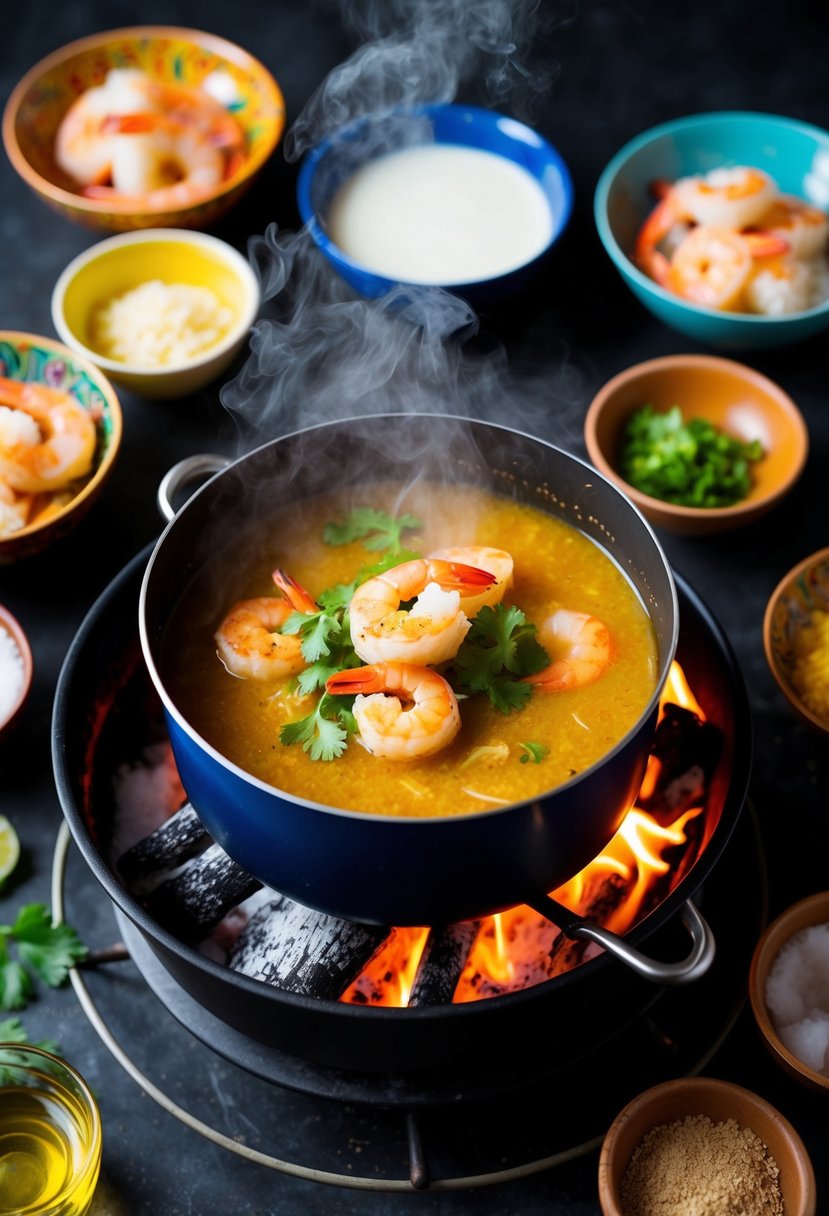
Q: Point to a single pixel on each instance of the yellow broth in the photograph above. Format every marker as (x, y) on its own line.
(555, 566)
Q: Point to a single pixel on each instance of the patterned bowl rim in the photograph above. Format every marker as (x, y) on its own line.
(17, 337)
(777, 670)
(212, 42)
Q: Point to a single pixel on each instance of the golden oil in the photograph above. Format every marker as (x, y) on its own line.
(50, 1145)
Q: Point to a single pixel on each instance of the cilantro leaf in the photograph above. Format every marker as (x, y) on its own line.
(50, 950)
(499, 649)
(46, 949)
(322, 737)
(535, 752)
(377, 529)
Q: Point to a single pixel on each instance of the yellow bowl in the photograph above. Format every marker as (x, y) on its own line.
(122, 263)
(32, 358)
(171, 55)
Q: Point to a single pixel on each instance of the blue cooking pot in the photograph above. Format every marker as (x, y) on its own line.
(387, 869)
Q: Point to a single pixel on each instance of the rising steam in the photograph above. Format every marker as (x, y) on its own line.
(318, 353)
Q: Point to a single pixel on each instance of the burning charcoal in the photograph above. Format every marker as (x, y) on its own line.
(177, 840)
(442, 962)
(302, 951)
(193, 903)
(682, 741)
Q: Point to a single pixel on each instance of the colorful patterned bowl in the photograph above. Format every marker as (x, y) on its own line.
(130, 260)
(804, 590)
(794, 153)
(731, 396)
(31, 358)
(168, 54)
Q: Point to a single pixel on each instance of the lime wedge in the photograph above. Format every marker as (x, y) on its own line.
(9, 848)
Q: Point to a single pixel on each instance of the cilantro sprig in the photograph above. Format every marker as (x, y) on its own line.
(45, 950)
(498, 651)
(534, 751)
(376, 529)
(323, 737)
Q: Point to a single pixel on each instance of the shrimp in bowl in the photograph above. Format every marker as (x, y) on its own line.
(403, 711)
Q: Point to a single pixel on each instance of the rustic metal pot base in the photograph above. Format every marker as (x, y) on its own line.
(401, 1126)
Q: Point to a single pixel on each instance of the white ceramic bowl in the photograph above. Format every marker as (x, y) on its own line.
(174, 256)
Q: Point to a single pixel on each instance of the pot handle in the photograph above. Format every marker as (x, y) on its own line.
(192, 468)
(697, 962)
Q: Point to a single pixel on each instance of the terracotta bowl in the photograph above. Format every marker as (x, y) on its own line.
(11, 626)
(32, 358)
(171, 55)
(730, 395)
(803, 590)
(720, 1101)
(813, 910)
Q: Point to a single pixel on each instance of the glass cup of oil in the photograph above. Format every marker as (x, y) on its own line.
(50, 1135)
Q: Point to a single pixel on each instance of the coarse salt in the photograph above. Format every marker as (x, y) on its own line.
(797, 996)
(160, 324)
(12, 673)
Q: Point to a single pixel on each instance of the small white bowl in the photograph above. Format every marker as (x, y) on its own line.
(121, 263)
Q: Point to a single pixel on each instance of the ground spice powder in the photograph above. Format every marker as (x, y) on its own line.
(695, 1167)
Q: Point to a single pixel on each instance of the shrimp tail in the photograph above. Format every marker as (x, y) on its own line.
(294, 592)
(456, 576)
(356, 680)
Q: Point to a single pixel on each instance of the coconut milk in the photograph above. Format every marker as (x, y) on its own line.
(441, 213)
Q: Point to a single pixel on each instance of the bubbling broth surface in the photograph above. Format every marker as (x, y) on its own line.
(486, 766)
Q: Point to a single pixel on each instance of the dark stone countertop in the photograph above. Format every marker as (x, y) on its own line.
(619, 68)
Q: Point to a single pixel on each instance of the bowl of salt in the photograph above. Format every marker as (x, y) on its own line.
(16, 669)
(789, 990)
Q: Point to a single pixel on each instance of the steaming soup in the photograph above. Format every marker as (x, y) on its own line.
(496, 758)
(441, 213)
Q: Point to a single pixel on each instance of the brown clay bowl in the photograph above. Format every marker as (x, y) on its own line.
(813, 910)
(800, 592)
(730, 395)
(720, 1101)
(10, 625)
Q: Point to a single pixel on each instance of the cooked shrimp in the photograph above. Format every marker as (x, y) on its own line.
(54, 452)
(711, 267)
(432, 631)
(737, 197)
(497, 561)
(133, 135)
(804, 228)
(725, 198)
(248, 639)
(160, 163)
(580, 644)
(409, 712)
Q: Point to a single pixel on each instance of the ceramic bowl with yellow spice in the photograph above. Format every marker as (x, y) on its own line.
(148, 126)
(162, 312)
(796, 638)
(707, 1145)
(60, 432)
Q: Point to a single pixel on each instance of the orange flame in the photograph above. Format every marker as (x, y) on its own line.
(510, 944)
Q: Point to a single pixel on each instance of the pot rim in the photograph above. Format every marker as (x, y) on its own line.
(410, 821)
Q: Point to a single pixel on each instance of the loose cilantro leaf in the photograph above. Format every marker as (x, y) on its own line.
(535, 752)
(499, 650)
(375, 528)
(12, 1030)
(318, 631)
(321, 736)
(48, 950)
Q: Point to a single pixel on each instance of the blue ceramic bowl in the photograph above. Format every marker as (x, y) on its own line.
(337, 157)
(794, 153)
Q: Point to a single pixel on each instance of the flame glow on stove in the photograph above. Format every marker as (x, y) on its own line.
(519, 947)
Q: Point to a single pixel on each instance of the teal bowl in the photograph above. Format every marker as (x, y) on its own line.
(794, 153)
